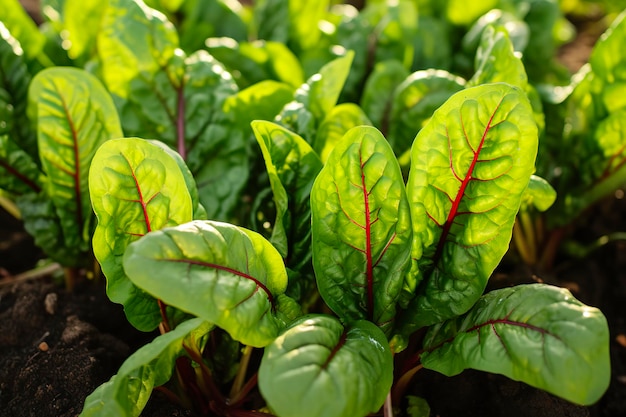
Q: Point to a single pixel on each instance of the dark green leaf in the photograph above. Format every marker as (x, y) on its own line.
(14, 81)
(469, 168)
(537, 334)
(361, 229)
(224, 274)
(19, 174)
(127, 392)
(317, 368)
(414, 102)
(75, 115)
(253, 62)
(135, 187)
(379, 90)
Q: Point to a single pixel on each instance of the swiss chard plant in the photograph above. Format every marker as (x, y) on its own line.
(389, 258)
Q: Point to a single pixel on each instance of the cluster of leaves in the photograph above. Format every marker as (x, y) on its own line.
(242, 172)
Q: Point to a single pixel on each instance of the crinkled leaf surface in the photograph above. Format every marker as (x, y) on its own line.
(224, 274)
(135, 187)
(361, 229)
(292, 166)
(470, 165)
(414, 102)
(127, 392)
(14, 81)
(19, 174)
(537, 334)
(335, 125)
(75, 115)
(318, 368)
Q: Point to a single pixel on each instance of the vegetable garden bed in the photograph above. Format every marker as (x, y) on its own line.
(322, 223)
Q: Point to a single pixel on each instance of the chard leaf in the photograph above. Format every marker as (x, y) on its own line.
(292, 166)
(539, 194)
(82, 20)
(469, 168)
(75, 115)
(335, 125)
(253, 62)
(261, 101)
(128, 391)
(203, 19)
(41, 221)
(607, 62)
(379, 90)
(19, 174)
(496, 60)
(135, 187)
(176, 99)
(23, 28)
(134, 42)
(361, 229)
(414, 102)
(14, 81)
(224, 274)
(536, 333)
(315, 98)
(317, 368)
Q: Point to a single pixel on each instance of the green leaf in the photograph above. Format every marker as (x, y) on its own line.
(42, 222)
(82, 21)
(536, 333)
(14, 81)
(607, 62)
(496, 61)
(469, 168)
(539, 194)
(292, 166)
(317, 368)
(379, 90)
(253, 62)
(315, 98)
(224, 274)
(135, 187)
(414, 102)
(19, 174)
(361, 229)
(127, 392)
(202, 19)
(75, 115)
(261, 101)
(23, 28)
(134, 41)
(460, 13)
(515, 27)
(199, 212)
(335, 125)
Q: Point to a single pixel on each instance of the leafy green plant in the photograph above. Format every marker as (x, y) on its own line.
(388, 259)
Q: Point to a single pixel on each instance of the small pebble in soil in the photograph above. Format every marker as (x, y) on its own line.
(43, 346)
(50, 303)
(621, 339)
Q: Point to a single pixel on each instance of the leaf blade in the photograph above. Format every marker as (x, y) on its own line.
(227, 275)
(534, 333)
(361, 228)
(470, 166)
